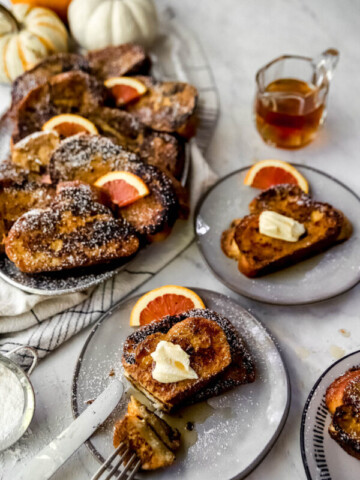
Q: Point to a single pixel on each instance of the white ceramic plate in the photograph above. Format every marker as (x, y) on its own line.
(300, 284)
(323, 458)
(234, 431)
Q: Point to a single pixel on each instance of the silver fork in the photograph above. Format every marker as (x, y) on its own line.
(118, 472)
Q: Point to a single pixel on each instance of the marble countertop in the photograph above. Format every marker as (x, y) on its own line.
(239, 37)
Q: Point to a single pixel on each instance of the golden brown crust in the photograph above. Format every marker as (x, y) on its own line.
(116, 61)
(76, 231)
(217, 354)
(166, 106)
(260, 254)
(228, 244)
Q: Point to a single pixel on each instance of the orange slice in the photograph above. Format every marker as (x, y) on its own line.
(122, 188)
(68, 124)
(167, 300)
(266, 173)
(125, 89)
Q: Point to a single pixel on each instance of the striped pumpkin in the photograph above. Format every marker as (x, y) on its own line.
(27, 35)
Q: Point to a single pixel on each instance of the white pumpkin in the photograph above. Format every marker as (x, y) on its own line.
(27, 35)
(100, 23)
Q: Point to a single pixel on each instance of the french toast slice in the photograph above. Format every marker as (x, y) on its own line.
(19, 193)
(147, 435)
(33, 152)
(44, 70)
(75, 231)
(163, 150)
(69, 92)
(116, 61)
(166, 106)
(88, 157)
(259, 254)
(217, 354)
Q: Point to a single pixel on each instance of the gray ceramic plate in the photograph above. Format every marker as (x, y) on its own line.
(323, 458)
(300, 284)
(233, 432)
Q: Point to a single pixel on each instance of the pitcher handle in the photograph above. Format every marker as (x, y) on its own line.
(327, 61)
(29, 349)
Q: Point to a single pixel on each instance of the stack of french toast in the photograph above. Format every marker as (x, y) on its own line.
(53, 216)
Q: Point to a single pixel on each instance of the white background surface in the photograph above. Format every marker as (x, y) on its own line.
(239, 37)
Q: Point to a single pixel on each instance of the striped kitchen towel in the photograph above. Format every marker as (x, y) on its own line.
(46, 322)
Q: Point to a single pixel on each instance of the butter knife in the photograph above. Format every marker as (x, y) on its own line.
(50, 459)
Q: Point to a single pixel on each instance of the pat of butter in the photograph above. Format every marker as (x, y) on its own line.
(172, 363)
(279, 226)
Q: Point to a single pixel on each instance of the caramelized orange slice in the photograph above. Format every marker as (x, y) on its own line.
(166, 300)
(123, 188)
(125, 89)
(68, 124)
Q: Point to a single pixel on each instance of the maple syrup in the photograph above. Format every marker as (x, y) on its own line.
(288, 113)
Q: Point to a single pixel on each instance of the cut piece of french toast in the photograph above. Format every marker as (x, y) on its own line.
(44, 70)
(166, 106)
(88, 157)
(116, 61)
(147, 435)
(75, 231)
(260, 254)
(217, 354)
(69, 92)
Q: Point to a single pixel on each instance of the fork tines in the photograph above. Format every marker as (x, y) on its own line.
(118, 472)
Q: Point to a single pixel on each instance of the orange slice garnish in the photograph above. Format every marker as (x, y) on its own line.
(167, 300)
(123, 188)
(125, 89)
(267, 173)
(68, 124)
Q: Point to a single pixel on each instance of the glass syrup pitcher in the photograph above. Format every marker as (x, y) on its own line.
(290, 102)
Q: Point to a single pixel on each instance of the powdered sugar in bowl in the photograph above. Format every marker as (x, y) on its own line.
(17, 399)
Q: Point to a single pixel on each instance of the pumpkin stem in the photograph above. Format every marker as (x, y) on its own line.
(11, 17)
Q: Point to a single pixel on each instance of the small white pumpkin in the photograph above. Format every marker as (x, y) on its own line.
(27, 35)
(100, 23)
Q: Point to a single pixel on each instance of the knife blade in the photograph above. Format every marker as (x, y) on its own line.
(50, 459)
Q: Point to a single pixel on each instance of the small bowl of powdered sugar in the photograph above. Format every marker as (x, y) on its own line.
(17, 399)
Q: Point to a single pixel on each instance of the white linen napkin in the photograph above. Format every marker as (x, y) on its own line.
(46, 322)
